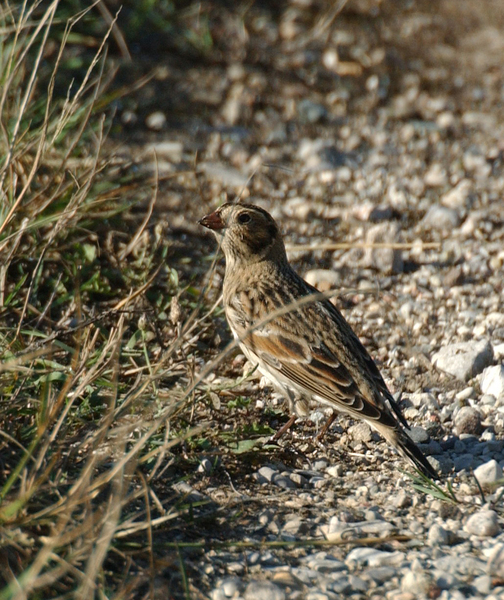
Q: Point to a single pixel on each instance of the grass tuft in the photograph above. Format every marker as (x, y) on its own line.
(97, 336)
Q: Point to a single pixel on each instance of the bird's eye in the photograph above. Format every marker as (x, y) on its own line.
(243, 218)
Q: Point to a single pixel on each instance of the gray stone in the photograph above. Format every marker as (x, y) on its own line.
(433, 447)
(357, 584)
(488, 473)
(468, 420)
(495, 564)
(419, 435)
(311, 112)
(458, 196)
(380, 574)
(304, 574)
(235, 567)
(483, 584)
(441, 217)
(316, 595)
(421, 399)
(492, 381)
(488, 436)
(438, 536)
(465, 359)
(318, 482)
(445, 581)
(327, 565)
(295, 525)
(231, 586)
(442, 464)
(267, 473)
(283, 482)
(484, 523)
(465, 461)
(415, 580)
(372, 514)
(341, 585)
(464, 565)
(336, 471)
(402, 499)
(190, 494)
(298, 479)
(360, 432)
(263, 590)
(387, 260)
(488, 399)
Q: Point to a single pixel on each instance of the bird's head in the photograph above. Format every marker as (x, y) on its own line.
(248, 234)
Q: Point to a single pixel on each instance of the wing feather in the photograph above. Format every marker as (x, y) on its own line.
(323, 376)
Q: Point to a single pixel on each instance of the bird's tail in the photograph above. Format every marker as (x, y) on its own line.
(407, 447)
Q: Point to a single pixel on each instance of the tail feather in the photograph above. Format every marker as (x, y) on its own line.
(407, 447)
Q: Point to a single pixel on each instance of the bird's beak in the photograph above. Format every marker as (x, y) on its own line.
(213, 221)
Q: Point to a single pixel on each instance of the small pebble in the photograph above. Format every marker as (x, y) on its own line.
(416, 580)
(488, 473)
(441, 217)
(438, 536)
(492, 381)
(464, 360)
(156, 121)
(263, 590)
(468, 420)
(484, 523)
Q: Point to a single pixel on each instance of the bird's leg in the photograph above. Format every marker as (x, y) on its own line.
(320, 435)
(284, 428)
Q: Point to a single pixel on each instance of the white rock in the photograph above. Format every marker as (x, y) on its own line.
(230, 587)
(435, 176)
(263, 590)
(387, 260)
(495, 564)
(465, 394)
(492, 381)
(169, 150)
(156, 121)
(488, 473)
(441, 217)
(416, 580)
(373, 558)
(438, 536)
(458, 196)
(484, 523)
(323, 279)
(465, 359)
(419, 399)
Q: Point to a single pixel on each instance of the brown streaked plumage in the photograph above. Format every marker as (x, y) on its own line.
(308, 352)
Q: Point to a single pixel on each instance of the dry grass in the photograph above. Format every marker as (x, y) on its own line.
(93, 340)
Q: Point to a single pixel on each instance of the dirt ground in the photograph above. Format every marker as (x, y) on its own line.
(352, 122)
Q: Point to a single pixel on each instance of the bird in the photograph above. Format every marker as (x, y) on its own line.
(299, 340)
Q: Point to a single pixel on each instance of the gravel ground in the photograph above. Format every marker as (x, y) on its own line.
(377, 125)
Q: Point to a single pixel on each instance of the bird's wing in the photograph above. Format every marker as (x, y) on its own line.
(316, 370)
(367, 364)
